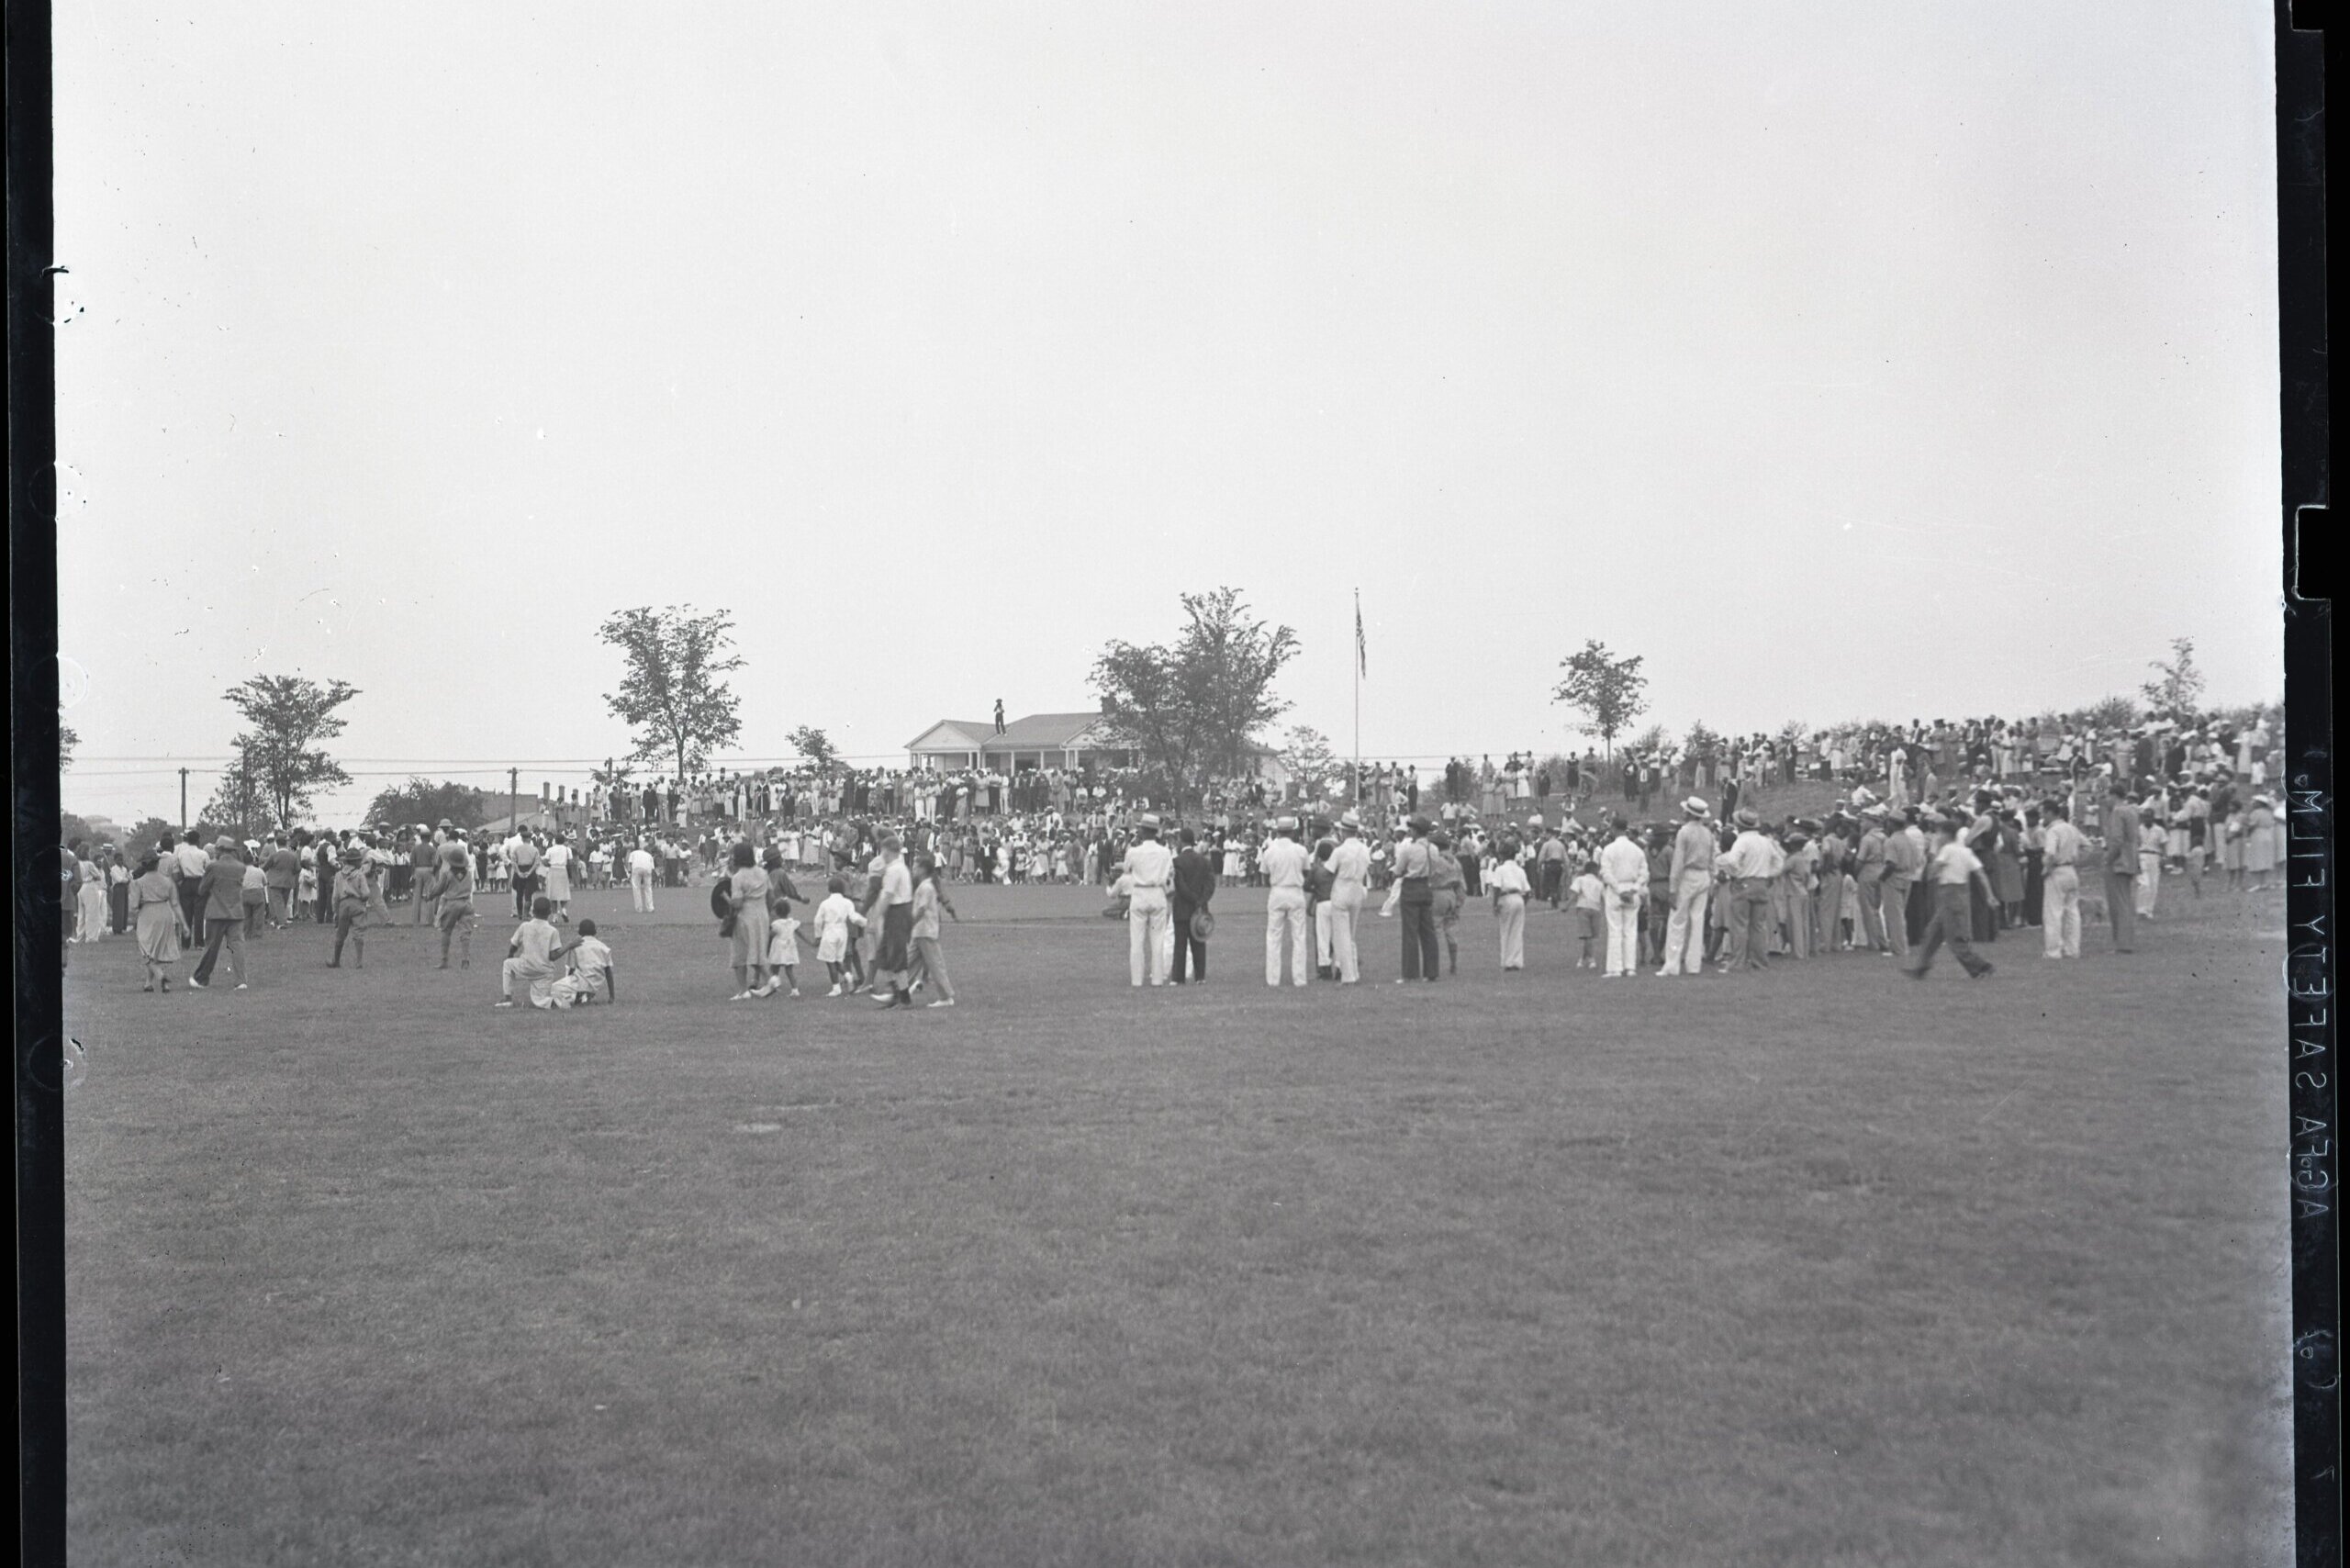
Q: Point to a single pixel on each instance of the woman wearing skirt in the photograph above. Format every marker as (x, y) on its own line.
(162, 929)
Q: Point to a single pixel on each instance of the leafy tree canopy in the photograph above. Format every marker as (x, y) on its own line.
(1608, 691)
(1193, 706)
(671, 692)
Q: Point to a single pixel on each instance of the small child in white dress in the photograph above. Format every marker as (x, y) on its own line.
(836, 920)
(784, 937)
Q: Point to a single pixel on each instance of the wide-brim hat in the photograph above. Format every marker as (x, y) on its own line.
(1695, 807)
(1348, 819)
(353, 852)
(1746, 818)
(1418, 824)
(1149, 820)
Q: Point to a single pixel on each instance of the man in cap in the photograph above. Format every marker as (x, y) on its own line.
(1751, 863)
(1349, 883)
(1904, 862)
(351, 898)
(2062, 846)
(1690, 878)
(1283, 863)
(1416, 898)
(1149, 871)
(223, 894)
(1868, 875)
(1624, 871)
(1550, 860)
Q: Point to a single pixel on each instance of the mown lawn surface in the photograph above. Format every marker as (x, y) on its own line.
(1815, 1268)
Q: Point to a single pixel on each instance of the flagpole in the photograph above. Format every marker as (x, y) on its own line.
(1358, 664)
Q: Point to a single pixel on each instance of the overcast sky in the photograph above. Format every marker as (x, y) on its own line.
(1843, 360)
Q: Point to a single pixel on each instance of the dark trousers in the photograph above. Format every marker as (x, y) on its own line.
(2121, 910)
(1187, 946)
(524, 887)
(215, 933)
(1417, 910)
(1953, 918)
(191, 903)
(1554, 876)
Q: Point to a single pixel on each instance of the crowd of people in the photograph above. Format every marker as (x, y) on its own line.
(1915, 806)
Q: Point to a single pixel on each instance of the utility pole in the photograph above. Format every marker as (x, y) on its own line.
(183, 800)
(513, 800)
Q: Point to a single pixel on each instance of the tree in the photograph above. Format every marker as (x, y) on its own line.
(1607, 691)
(2178, 684)
(671, 693)
(2115, 712)
(1191, 708)
(1701, 743)
(67, 739)
(279, 762)
(1308, 761)
(146, 836)
(422, 801)
(1654, 741)
(817, 747)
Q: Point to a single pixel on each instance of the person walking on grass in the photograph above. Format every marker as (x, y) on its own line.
(892, 913)
(350, 899)
(453, 891)
(162, 929)
(1954, 871)
(640, 867)
(223, 897)
(1415, 866)
(536, 957)
(929, 898)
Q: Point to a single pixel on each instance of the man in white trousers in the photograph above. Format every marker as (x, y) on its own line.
(640, 867)
(1692, 881)
(2061, 846)
(1624, 872)
(1350, 873)
(1150, 871)
(1283, 863)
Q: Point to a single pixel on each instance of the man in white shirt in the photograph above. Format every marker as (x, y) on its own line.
(1283, 862)
(1750, 863)
(640, 866)
(1953, 869)
(1350, 874)
(1149, 871)
(1692, 881)
(189, 864)
(1624, 871)
(2061, 846)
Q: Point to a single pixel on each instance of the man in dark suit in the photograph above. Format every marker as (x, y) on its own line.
(1194, 886)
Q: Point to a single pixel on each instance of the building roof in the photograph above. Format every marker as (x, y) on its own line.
(1036, 732)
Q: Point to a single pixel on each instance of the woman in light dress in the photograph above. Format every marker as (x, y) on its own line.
(556, 863)
(90, 902)
(2259, 841)
(162, 929)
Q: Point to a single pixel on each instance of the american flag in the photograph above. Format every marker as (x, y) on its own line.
(1362, 657)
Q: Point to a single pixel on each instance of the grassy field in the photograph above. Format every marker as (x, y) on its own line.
(1813, 1267)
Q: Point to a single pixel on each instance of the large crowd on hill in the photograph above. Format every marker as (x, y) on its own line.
(2201, 789)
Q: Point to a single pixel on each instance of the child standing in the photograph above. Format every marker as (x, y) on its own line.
(929, 898)
(784, 937)
(354, 896)
(1590, 895)
(836, 919)
(305, 892)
